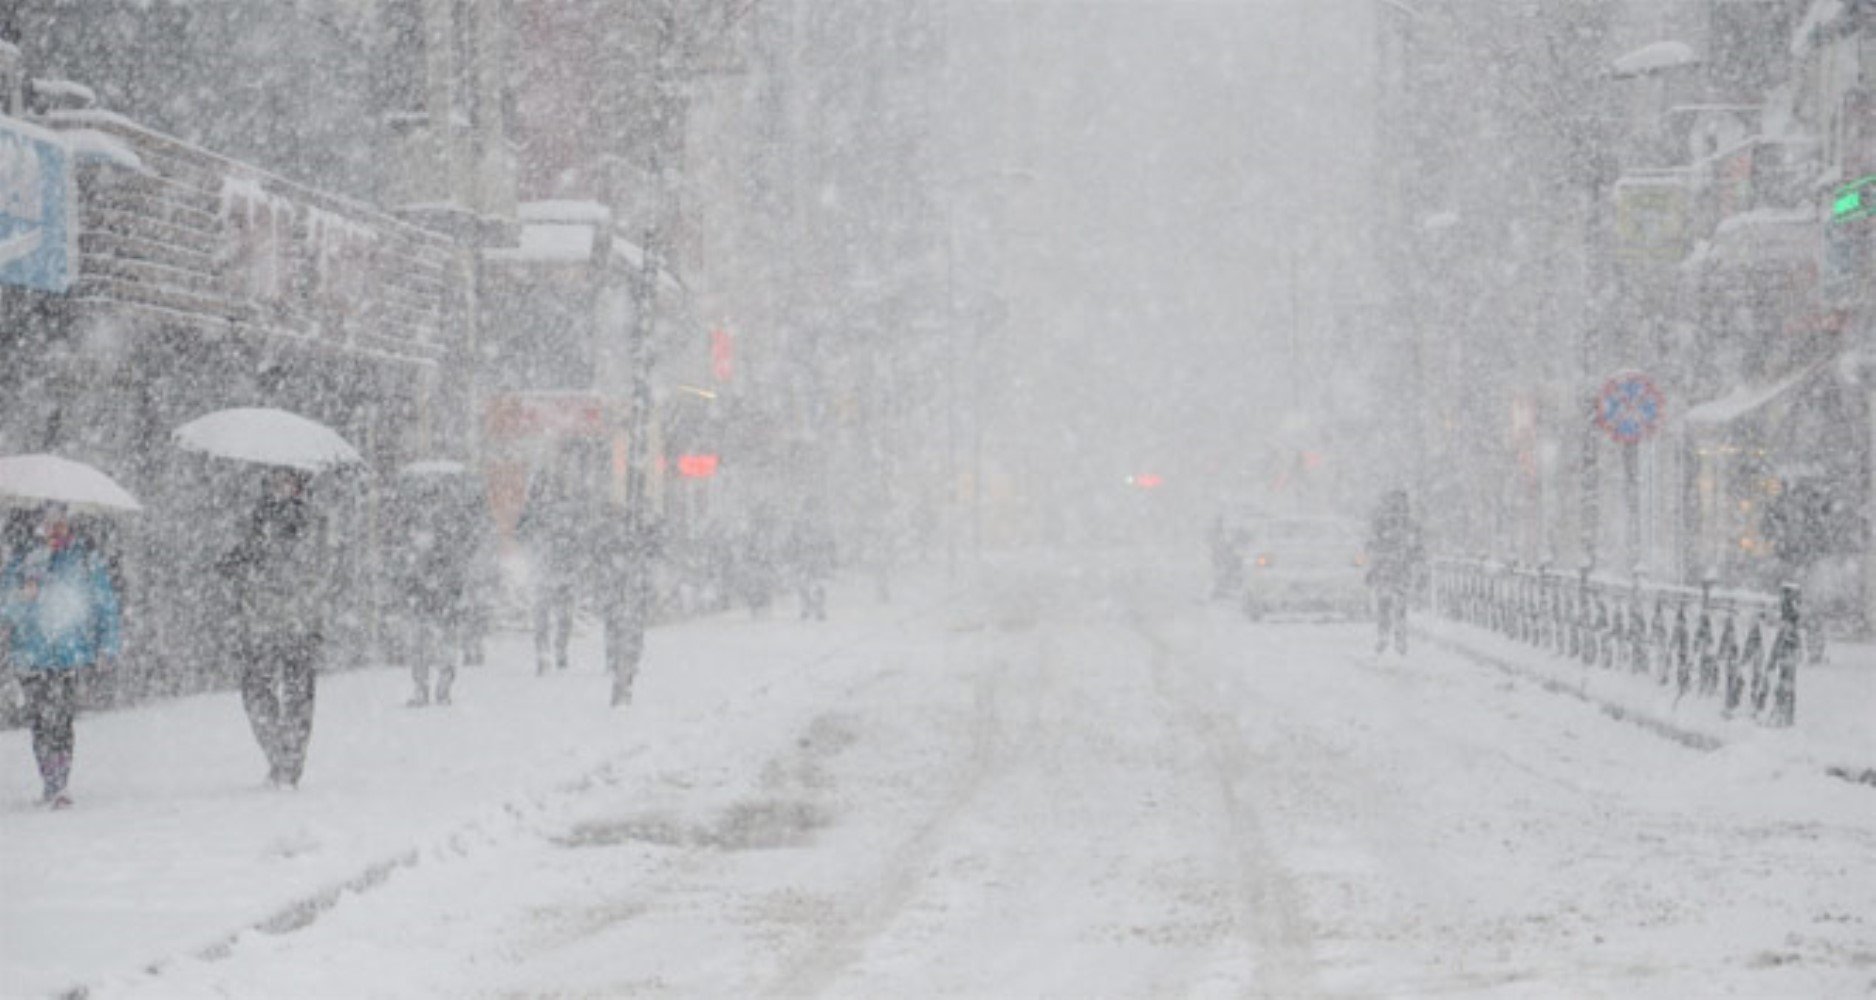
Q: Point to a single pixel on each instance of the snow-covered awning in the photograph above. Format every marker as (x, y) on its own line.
(633, 256)
(1766, 236)
(1653, 58)
(548, 243)
(1746, 400)
(590, 213)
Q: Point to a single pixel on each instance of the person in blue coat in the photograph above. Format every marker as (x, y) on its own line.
(59, 614)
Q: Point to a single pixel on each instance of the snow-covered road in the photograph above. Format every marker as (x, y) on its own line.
(1081, 782)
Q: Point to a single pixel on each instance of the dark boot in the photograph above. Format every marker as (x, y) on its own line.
(55, 770)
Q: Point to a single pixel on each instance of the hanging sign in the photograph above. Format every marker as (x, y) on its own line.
(38, 239)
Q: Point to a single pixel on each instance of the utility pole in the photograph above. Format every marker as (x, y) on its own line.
(627, 607)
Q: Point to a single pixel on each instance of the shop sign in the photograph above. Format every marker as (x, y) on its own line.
(548, 415)
(698, 466)
(1651, 219)
(722, 355)
(38, 240)
(1732, 182)
(1855, 200)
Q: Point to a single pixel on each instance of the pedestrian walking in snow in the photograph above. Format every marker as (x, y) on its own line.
(811, 558)
(279, 573)
(1394, 556)
(436, 544)
(59, 615)
(629, 547)
(755, 566)
(551, 527)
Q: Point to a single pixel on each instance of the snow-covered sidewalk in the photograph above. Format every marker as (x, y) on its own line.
(1836, 718)
(176, 844)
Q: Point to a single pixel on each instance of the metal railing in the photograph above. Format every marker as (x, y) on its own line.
(1742, 648)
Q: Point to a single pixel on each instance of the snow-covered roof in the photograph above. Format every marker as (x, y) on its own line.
(589, 212)
(549, 243)
(1654, 57)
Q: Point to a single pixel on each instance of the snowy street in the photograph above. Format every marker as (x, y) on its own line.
(955, 499)
(1082, 781)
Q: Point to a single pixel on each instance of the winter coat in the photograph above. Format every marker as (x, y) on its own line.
(59, 609)
(434, 577)
(554, 531)
(434, 544)
(1394, 549)
(279, 574)
(811, 551)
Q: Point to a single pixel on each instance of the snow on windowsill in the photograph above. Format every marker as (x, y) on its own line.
(1764, 217)
(95, 146)
(90, 116)
(64, 89)
(1654, 57)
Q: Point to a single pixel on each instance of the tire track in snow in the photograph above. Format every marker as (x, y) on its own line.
(1270, 906)
(842, 943)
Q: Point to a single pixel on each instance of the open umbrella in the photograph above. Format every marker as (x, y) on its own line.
(435, 467)
(34, 479)
(266, 436)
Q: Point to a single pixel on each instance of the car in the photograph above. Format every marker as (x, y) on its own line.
(1306, 565)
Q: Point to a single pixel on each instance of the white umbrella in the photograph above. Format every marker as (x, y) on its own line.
(31, 479)
(435, 467)
(266, 436)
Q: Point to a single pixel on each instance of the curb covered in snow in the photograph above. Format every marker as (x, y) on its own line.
(1859, 774)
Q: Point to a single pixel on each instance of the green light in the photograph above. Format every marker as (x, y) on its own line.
(1850, 203)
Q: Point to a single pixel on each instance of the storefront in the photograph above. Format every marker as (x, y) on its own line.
(1777, 465)
(202, 283)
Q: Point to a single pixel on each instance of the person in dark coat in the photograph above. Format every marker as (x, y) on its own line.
(59, 615)
(629, 548)
(811, 558)
(552, 528)
(279, 573)
(755, 565)
(1394, 556)
(435, 553)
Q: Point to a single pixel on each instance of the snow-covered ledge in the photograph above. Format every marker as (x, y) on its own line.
(1653, 58)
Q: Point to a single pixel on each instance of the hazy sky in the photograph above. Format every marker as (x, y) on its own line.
(1145, 176)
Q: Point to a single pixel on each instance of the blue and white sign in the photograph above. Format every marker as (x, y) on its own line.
(38, 236)
(1630, 407)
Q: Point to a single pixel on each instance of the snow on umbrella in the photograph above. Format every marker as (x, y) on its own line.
(435, 467)
(33, 479)
(266, 436)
